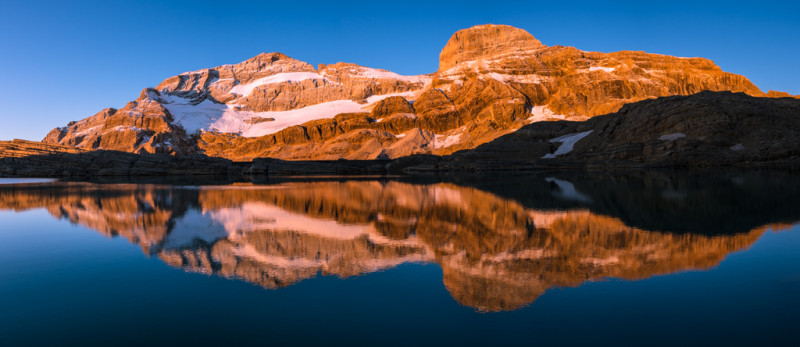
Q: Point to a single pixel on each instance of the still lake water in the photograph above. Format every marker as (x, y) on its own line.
(653, 258)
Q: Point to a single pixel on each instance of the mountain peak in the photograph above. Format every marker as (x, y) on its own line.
(483, 41)
(268, 57)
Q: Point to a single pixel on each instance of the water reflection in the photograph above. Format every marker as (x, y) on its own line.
(500, 244)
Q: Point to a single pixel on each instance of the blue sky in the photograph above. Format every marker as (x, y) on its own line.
(64, 61)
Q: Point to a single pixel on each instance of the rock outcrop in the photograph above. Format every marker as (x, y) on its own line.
(484, 42)
(705, 129)
(492, 80)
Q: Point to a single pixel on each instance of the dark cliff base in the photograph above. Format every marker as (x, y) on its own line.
(121, 164)
(708, 129)
(97, 164)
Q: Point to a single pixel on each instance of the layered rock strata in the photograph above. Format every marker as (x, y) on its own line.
(492, 80)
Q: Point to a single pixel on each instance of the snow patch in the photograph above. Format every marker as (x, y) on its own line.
(672, 137)
(125, 128)
(234, 121)
(366, 72)
(87, 131)
(543, 113)
(530, 79)
(261, 216)
(567, 191)
(567, 143)
(194, 118)
(602, 68)
(284, 263)
(247, 88)
(375, 98)
(442, 141)
(195, 225)
(208, 115)
(230, 118)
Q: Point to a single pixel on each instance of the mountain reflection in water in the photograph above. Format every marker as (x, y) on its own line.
(500, 244)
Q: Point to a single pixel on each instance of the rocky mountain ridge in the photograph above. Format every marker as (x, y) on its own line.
(708, 129)
(492, 80)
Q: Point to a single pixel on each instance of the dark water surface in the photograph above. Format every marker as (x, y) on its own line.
(633, 259)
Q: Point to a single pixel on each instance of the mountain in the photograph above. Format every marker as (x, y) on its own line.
(491, 81)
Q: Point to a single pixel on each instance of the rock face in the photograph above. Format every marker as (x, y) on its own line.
(142, 126)
(263, 95)
(705, 129)
(495, 253)
(492, 80)
(485, 42)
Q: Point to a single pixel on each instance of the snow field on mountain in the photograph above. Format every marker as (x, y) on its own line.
(543, 113)
(376, 98)
(567, 142)
(567, 191)
(444, 141)
(208, 115)
(365, 72)
(247, 88)
(672, 137)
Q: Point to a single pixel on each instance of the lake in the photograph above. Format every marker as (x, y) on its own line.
(631, 258)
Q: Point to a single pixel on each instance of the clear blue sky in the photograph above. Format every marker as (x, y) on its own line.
(65, 60)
